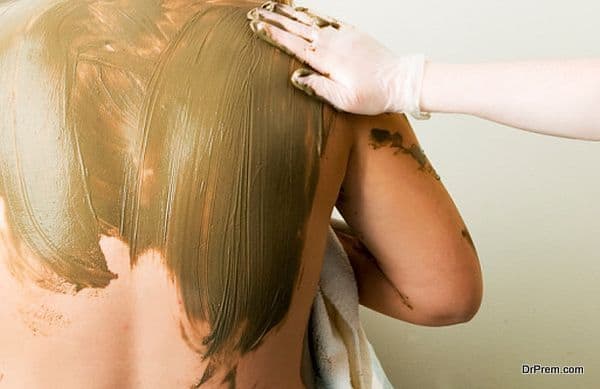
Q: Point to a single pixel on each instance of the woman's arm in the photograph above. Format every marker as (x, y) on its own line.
(560, 98)
(369, 276)
(411, 252)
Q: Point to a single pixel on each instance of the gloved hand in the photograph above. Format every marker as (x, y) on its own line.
(354, 72)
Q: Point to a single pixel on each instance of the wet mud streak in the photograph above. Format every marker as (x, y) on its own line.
(381, 137)
(467, 236)
(231, 144)
(189, 343)
(364, 251)
(230, 378)
(208, 373)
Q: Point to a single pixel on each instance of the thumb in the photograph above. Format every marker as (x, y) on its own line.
(318, 86)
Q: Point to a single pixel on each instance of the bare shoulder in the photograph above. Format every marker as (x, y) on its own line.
(356, 139)
(372, 132)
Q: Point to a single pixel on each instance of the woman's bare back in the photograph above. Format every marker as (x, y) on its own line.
(125, 320)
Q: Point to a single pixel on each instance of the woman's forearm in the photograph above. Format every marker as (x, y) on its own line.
(377, 292)
(559, 98)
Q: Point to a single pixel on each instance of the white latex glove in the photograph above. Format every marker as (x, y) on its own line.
(354, 72)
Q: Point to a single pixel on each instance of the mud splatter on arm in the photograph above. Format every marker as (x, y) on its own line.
(467, 236)
(380, 137)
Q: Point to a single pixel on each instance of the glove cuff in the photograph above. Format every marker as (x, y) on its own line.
(411, 92)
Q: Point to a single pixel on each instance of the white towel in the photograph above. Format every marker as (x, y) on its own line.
(343, 356)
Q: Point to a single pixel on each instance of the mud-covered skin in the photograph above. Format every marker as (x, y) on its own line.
(381, 137)
(170, 125)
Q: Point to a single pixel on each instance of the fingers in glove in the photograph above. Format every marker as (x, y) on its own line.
(320, 21)
(288, 42)
(302, 15)
(319, 86)
(288, 11)
(283, 22)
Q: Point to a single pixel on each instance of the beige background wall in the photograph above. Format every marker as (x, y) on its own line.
(532, 203)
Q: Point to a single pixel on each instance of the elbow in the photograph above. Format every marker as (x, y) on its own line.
(470, 311)
(467, 301)
(456, 295)
(452, 302)
(450, 311)
(445, 289)
(462, 313)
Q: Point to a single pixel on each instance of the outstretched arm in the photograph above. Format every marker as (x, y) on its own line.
(560, 98)
(357, 74)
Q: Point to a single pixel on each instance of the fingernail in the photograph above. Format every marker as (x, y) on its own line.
(303, 87)
(302, 72)
(252, 14)
(257, 26)
(321, 23)
(269, 5)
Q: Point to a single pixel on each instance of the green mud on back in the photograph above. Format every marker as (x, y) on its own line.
(170, 125)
